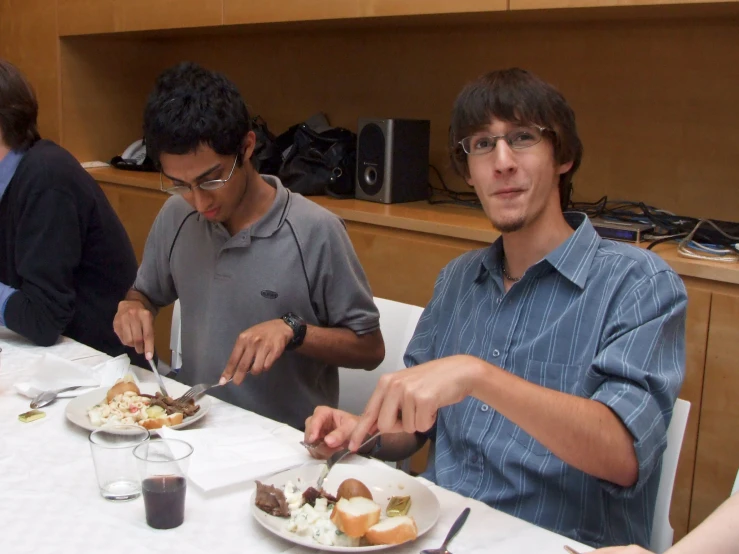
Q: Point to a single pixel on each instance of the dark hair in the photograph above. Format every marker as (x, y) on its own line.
(18, 109)
(190, 106)
(515, 95)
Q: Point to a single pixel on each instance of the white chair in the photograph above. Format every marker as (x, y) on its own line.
(175, 337)
(397, 323)
(662, 532)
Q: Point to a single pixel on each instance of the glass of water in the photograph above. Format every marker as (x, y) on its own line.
(115, 467)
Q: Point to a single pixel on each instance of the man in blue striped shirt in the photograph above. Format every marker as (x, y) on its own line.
(545, 368)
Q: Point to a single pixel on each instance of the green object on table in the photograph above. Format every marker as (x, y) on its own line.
(33, 415)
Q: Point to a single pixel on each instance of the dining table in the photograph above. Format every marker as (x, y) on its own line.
(50, 502)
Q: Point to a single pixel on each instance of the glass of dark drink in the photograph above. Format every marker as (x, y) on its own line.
(163, 465)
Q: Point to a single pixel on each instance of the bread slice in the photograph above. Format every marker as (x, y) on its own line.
(353, 516)
(120, 387)
(393, 530)
(162, 421)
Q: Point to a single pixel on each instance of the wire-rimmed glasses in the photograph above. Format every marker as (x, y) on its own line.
(518, 139)
(167, 185)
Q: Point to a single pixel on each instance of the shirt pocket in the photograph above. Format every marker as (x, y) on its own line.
(559, 377)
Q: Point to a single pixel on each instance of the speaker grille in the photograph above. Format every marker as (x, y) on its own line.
(371, 159)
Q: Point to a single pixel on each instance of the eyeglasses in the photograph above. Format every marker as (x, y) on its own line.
(168, 185)
(518, 139)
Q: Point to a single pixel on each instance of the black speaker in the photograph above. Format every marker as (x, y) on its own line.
(393, 160)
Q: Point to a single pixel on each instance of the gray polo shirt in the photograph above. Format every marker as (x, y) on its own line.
(297, 258)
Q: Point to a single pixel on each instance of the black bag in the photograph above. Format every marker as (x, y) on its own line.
(316, 163)
(266, 157)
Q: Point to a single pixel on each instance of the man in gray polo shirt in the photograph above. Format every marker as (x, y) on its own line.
(270, 288)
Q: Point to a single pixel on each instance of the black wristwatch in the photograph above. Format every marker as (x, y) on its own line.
(298, 326)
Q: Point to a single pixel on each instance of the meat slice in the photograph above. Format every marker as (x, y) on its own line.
(271, 500)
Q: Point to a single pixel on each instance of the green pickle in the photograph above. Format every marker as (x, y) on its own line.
(33, 415)
(398, 506)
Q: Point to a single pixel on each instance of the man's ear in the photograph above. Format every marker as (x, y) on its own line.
(564, 168)
(249, 144)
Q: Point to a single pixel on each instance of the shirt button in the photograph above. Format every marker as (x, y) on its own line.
(499, 300)
(474, 458)
(496, 353)
(485, 408)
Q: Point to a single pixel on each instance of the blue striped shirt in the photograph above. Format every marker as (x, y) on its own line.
(596, 319)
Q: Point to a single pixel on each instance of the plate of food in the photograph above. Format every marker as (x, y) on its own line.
(359, 509)
(127, 403)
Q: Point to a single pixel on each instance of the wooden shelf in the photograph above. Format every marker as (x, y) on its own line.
(437, 219)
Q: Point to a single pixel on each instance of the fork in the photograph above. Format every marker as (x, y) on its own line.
(197, 391)
(336, 457)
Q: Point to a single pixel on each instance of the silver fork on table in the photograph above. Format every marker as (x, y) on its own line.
(336, 457)
(197, 391)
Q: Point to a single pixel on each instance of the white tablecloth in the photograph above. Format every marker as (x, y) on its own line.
(49, 499)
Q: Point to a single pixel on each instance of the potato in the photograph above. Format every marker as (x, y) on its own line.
(351, 488)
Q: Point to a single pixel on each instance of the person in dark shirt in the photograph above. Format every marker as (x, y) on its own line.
(65, 258)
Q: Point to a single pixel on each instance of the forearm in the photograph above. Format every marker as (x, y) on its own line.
(39, 318)
(135, 296)
(397, 446)
(718, 534)
(343, 347)
(581, 432)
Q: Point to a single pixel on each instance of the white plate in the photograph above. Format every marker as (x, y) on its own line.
(383, 482)
(76, 410)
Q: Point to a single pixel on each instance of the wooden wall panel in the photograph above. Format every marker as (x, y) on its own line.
(696, 331)
(717, 459)
(647, 93)
(105, 82)
(28, 39)
(137, 208)
(81, 17)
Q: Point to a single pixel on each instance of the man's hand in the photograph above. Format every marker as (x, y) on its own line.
(633, 549)
(332, 426)
(134, 325)
(256, 350)
(408, 400)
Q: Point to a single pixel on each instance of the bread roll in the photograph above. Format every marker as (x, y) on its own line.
(120, 387)
(355, 515)
(163, 421)
(393, 530)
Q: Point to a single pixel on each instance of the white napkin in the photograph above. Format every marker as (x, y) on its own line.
(228, 456)
(50, 372)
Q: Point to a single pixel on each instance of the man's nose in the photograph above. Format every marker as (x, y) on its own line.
(504, 158)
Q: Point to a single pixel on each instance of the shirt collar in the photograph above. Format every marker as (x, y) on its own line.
(572, 258)
(275, 216)
(8, 165)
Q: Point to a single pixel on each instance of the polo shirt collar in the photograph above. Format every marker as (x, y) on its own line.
(270, 222)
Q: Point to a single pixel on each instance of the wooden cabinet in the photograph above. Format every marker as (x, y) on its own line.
(429, 7)
(717, 457)
(82, 17)
(403, 265)
(137, 208)
(258, 11)
(553, 4)
(696, 331)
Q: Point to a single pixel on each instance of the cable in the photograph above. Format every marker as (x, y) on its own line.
(468, 199)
